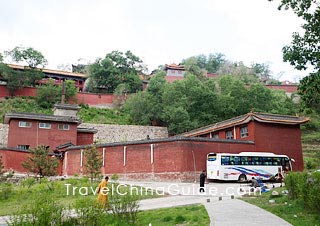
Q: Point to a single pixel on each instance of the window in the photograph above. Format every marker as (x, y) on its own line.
(43, 125)
(23, 147)
(173, 71)
(25, 124)
(244, 131)
(179, 72)
(63, 127)
(229, 134)
(215, 135)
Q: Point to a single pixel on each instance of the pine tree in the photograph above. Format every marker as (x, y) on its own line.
(41, 163)
(93, 162)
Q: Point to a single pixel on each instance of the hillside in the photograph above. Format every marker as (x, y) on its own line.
(311, 142)
(310, 131)
(87, 114)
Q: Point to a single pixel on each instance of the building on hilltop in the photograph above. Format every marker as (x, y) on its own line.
(58, 76)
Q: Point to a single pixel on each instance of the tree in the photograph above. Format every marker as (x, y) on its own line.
(50, 93)
(41, 162)
(116, 68)
(30, 76)
(2, 170)
(93, 162)
(309, 90)
(304, 50)
(27, 55)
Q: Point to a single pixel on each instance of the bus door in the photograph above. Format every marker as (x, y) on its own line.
(212, 166)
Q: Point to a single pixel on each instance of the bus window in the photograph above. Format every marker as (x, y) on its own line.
(276, 161)
(212, 157)
(236, 160)
(225, 160)
(287, 166)
(256, 160)
(244, 160)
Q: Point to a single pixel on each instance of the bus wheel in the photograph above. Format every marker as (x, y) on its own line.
(242, 178)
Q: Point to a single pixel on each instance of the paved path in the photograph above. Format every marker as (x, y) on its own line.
(222, 209)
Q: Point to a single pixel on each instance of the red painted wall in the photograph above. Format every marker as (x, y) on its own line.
(82, 98)
(280, 139)
(13, 160)
(222, 133)
(84, 138)
(286, 88)
(35, 136)
(174, 160)
(94, 99)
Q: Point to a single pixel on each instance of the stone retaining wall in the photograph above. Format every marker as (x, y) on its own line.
(3, 134)
(120, 133)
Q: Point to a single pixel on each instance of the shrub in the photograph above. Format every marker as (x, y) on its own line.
(42, 211)
(124, 207)
(28, 182)
(5, 191)
(305, 188)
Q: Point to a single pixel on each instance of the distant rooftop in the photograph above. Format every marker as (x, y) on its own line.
(174, 67)
(50, 71)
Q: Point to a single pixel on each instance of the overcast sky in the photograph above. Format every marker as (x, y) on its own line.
(158, 31)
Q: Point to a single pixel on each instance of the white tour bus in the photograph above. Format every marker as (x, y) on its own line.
(245, 165)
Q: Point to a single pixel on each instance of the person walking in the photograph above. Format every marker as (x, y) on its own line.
(103, 192)
(202, 180)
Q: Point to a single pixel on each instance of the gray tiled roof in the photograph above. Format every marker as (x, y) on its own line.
(86, 130)
(242, 119)
(40, 117)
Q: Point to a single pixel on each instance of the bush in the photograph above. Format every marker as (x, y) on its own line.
(28, 182)
(305, 188)
(41, 212)
(124, 207)
(5, 191)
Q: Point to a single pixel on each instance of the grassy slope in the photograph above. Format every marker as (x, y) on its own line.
(87, 114)
(291, 211)
(311, 143)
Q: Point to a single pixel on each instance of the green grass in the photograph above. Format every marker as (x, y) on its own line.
(291, 211)
(21, 104)
(185, 215)
(87, 114)
(103, 116)
(22, 195)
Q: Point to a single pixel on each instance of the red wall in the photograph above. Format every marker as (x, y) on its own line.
(13, 159)
(172, 160)
(81, 98)
(94, 99)
(287, 88)
(35, 136)
(84, 138)
(280, 139)
(222, 133)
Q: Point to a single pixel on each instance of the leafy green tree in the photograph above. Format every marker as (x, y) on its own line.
(116, 68)
(304, 50)
(262, 71)
(40, 162)
(309, 90)
(50, 93)
(93, 162)
(30, 76)
(27, 55)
